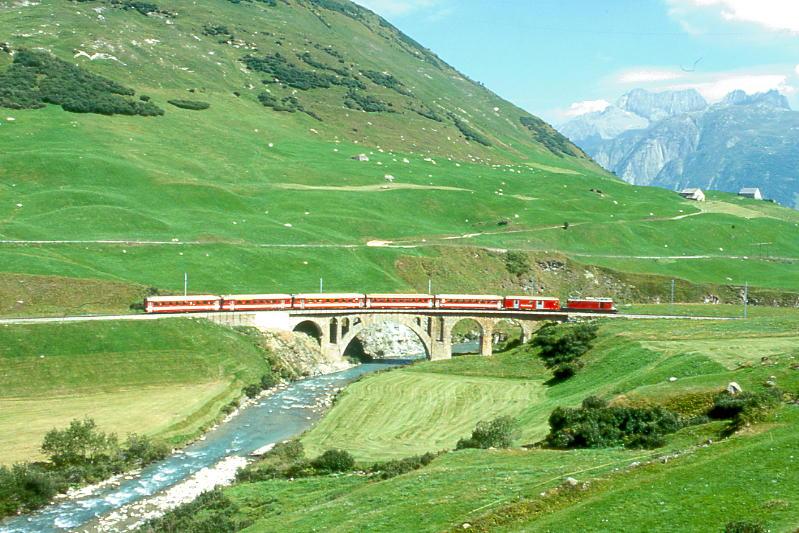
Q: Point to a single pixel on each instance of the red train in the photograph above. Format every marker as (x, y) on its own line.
(273, 302)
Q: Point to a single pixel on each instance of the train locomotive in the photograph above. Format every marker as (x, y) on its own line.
(347, 301)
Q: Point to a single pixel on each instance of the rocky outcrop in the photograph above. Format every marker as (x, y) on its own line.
(300, 354)
(390, 340)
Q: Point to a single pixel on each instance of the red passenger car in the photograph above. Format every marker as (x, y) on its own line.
(531, 303)
(468, 301)
(182, 304)
(591, 305)
(256, 302)
(329, 301)
(399, 301)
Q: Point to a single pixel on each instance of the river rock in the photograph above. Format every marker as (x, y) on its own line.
(733, 388)
(390, 340)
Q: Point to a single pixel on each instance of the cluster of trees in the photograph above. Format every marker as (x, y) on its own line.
(497, 433)
(215, 30)
(545, 134)
(562, 345)
(386, 80)
(194, 105)
(80, 453)
(35, 79)
(347, 9)
(145, 8)
(365, 102)
(596, 425)
(469, 133)
(426, 112)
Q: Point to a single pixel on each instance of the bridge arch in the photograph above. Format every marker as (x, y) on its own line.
(310, 328)
(362, 323)
(460, 331)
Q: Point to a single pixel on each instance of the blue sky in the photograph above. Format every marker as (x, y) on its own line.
(559, 58)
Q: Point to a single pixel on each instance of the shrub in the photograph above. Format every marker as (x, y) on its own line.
(517, 263)
(562, 344)
(211, 512)
(398, 467)
(386, 80)
(140, 450)
(283, 72)
(35, 79)
(497, 433)
(595, 425)
(744, 526)
(365, 102)
(745, 407)
(564, 371)
(469, 133)
(550, 138)
(193, 105)
(24, 487)
(334, 461)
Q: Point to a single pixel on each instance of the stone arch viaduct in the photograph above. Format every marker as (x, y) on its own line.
(335, 330)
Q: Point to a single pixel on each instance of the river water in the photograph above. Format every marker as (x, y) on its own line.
(273, 419)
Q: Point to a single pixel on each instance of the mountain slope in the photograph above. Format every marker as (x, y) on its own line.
(675, 140)
(247, 180)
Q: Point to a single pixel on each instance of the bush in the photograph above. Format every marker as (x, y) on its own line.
(550, 138)
(497, 433)
(35, 79)
(469, 133)
(398, 467)
(334, 461)
(564, 371)
(364, 102)
(746, 407)
(562, 344)
(193, 105)
(140, 450)
(517, 263)
(211, 512)
(595, 425)
(25, 487)
(386, 80)
(744, 526)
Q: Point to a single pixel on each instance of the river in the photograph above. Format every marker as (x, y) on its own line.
(273, 419)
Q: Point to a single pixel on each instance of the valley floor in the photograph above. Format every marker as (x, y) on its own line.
(698, 482)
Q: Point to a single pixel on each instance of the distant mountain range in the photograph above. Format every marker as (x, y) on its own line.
(675, 139)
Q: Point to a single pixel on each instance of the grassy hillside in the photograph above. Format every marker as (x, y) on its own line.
(688, 485)
(166, 378)
(252, 197)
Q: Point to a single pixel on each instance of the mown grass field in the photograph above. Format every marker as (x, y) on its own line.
(164, 378)
(268, 201)
(700, 488)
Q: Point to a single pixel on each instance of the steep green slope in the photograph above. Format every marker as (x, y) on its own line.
(252, 197)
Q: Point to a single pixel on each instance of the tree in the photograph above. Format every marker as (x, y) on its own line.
(79, 444)
(517, 263)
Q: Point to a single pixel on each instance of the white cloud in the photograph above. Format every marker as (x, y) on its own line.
(717, 88)
(649, 75)
(796, 69)
(398, 7)
(777, 15)
(586, 106)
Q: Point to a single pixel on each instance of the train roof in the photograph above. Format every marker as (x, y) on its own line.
(319, 295)
(469, 296)
(397, 295)
(528, 297)
(180, 298)
(256, 296)
(592, 299)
